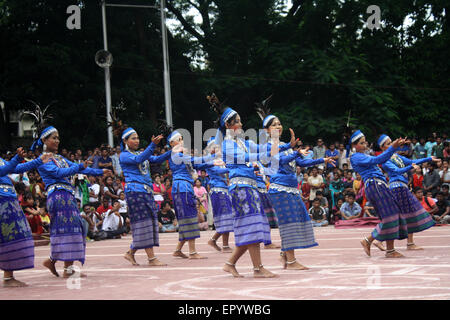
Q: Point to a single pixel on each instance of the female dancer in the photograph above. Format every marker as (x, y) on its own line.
(142, 208)
(220, 201)
(417, 218)
(392, 225)
(16, 241)
(250, 222)
(66, 227)
(296, 230)
(183, 193)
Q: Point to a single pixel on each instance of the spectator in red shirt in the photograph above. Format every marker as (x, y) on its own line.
(105, 206)
(32, 213)
(426, 202)
(418, 179)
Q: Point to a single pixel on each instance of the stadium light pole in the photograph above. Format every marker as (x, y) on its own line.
(165, 48)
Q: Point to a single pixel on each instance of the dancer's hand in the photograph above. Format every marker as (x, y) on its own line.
(45, 157)
(87, 163)
(330, 161)
(303, 152)
(398, 142)
(107, 172)
(293, 140)
(157, 140)
(219, 162)
(434, 159)
(21, 153)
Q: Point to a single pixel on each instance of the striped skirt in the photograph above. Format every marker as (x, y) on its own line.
(222, 212)
(269, 210)
(142, 211)
(16, 241)
(296, 229)
(417, 218)
(250, 221)
(66, 228)
(393, 225)
(186, 210)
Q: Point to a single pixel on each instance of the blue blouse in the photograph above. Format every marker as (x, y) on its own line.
(366, 165)
(217, 177)
(14, 166)
(398, 166)
(238, 160)
(59, 169)
(136, 168)
(287, 163)
(181, 165)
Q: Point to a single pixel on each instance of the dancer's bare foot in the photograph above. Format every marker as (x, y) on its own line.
(412, 246)
(226, 249)
(366, 245)
(294, 265)
(130, 257)
(283, 259)
(195, 255)
(393, 254)
(156, 263)
(231, 268)
(13, 283)
(72, 273)
(180, 254)
(213, 244)
(272, 246)
(379, 245)
(51, 266)
(261, 272)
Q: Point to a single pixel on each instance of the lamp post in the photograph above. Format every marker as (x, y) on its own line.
(106, 65)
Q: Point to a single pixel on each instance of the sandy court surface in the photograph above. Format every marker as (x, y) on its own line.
(339, 269)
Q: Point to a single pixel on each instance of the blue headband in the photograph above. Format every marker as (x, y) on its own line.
(172, 137)
(355, 136)
(382, 139)
(210, 141)
(267, 119)
(125, 135)
(45, 133)
(227, 114)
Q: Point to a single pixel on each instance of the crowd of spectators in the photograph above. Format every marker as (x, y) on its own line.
(329, 193)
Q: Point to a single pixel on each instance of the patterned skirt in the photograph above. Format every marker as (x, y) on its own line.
(296, 229)
(16, 241)
(66, 228)
(269, 210)
(186, 210)
(417, 218)
(142, 211)
(393, 224)
(250, 221)
(222, 212)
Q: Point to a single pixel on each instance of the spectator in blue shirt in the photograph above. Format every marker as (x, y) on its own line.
(105, 161)
(204, 179)
(419, 150)
(351, 209)
(333, 154)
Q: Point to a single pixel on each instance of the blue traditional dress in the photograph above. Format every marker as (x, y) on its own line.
(66, 227)
(417, 218)
(296, 229)
(16, 241)
(142, 209)
(393, 225)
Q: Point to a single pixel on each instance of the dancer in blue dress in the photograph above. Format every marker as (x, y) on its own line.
(16, 241)
(397, 167)
(142, 208)
(393, 225)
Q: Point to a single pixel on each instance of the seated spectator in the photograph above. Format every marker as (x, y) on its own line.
(88, 223)
(445, 191)
(168, 187)
(442, 216)
(104, 207)
(45, 217)
(204, 179)
(426, 202)
(418, 178)
(110, 191)
(444, 173)
(305, 190)
(323, 202)
(351, 209)
(348, 180)
(201, 214)
(166, 218)
(94, 191)
(431, 180)
(124, 211)
(336, 211)
(358, 188)
(158, 190)
(201, 194)
(113, 223)
(32, 213)
(369, 211)
(318, 214)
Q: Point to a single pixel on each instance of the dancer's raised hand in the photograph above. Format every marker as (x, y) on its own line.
(157, 140)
